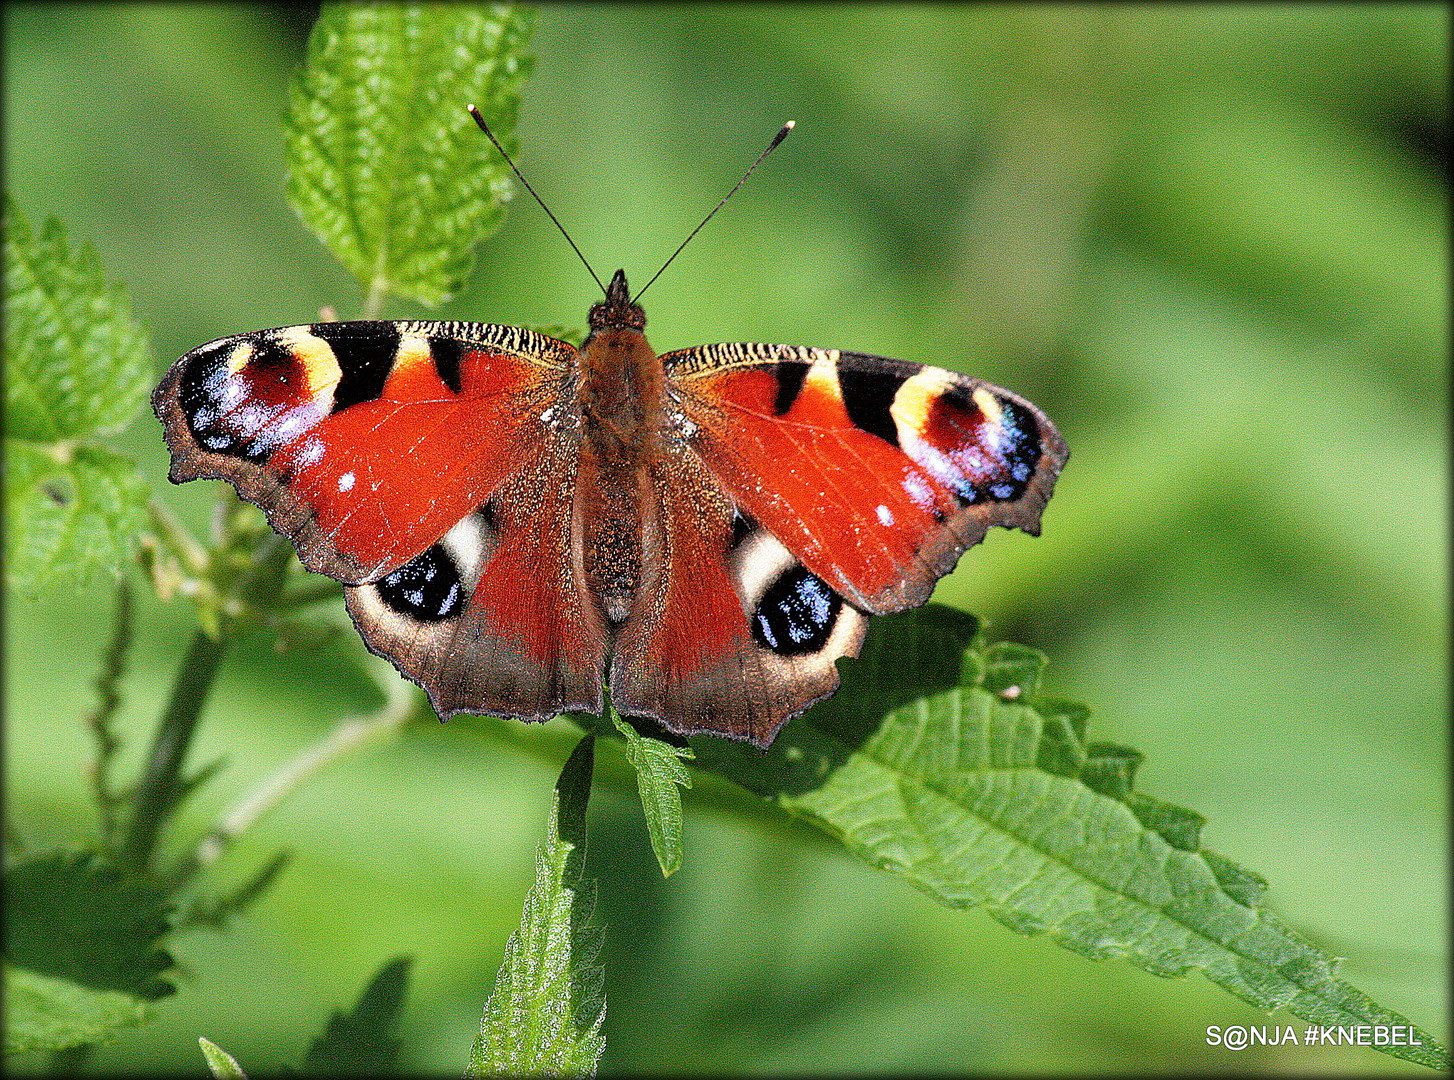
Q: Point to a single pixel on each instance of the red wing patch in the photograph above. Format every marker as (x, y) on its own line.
(875, 473)
(365, 442)
(728, 636)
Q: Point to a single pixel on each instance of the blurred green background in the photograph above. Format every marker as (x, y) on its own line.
(1210, 242)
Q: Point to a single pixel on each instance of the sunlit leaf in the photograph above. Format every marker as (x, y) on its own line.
(77, 364)
(77, 369)
(660, 776)
(938, 762)
(221, 1064)
(385, 164)
(544, 1017)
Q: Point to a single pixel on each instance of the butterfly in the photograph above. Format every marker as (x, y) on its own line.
(518, 521)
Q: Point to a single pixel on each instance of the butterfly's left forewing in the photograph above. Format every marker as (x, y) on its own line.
(430, 467)
(364, 442)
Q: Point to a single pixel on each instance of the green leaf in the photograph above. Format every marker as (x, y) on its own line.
(363, 1042)
(385, 164)
(222, 1064)
(659, 775)
(83, 918)
(77, 369)
(75, 516)
(77, 364)
(44, 1013)
(544, 1017)
(980, 795)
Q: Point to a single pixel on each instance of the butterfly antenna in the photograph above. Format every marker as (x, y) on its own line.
(491, 136)
(779, 137)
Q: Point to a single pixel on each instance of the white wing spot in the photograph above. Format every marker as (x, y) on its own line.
(919, 492)
(311, 453)
(885, 515)
(345, 482)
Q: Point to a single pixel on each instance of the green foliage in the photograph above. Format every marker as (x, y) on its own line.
(938, 762)
(1258, 259)
(219, 1062)
(544, 1016)
(385, 165)
(77, 364)
(82, 917)
(45, 1013)
(364, 1042)
(660, 775)
(77, 370)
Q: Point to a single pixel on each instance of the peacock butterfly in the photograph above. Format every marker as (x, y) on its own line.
(517, 521)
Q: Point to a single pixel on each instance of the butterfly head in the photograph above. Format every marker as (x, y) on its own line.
(617, 311)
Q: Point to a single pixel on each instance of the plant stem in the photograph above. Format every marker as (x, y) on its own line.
(99, 722)
(374, 301)
(350, 732)
(158, 788)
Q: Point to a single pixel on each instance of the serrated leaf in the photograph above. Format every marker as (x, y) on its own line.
(219, 1062)
(384, 163)
(45, 1013)
(544, 1016)
(83, 918)
(1010, 669)
(77, 368)
(75, 519)
(660, 775)
(364, 1042)
(982, 798)
(77, 365)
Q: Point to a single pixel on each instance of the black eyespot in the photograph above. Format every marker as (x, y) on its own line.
(426, 588)
(796, 616)
(265, 384)
(1014, 466)
(1022, 453)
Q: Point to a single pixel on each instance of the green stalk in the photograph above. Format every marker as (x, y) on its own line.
(158, 787)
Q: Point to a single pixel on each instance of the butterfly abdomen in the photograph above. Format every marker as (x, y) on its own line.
(621, 394)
